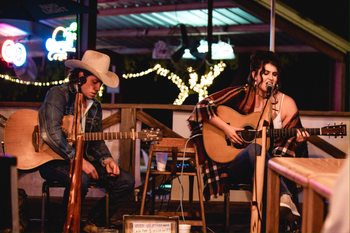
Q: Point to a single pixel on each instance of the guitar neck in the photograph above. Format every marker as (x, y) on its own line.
(109, 136)
(291, 132)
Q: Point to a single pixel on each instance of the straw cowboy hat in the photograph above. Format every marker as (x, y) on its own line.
(98, 64)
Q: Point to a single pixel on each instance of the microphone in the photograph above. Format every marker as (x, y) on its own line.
(269, 87)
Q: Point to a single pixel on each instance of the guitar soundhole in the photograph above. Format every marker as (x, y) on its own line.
(248, 134)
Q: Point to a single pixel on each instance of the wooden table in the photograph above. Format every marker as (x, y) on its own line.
(315, 175)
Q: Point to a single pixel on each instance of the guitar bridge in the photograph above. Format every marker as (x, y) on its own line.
(35, 138)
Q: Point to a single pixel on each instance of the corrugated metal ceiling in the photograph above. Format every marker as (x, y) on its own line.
(144, 22)
(133, 27)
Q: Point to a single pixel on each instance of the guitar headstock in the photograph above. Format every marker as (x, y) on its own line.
(334, 130)
(149, 135)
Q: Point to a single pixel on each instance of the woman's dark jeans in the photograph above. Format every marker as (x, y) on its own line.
(241, 169)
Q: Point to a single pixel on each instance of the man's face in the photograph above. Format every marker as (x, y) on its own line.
(91, 87)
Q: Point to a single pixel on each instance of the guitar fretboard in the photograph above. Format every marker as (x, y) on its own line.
(291, 132)
(110, 136)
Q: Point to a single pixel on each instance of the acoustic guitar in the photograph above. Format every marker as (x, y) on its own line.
(23, 140)
(221, 150)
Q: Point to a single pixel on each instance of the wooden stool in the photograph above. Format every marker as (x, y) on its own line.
(176, 147)
(227, 190)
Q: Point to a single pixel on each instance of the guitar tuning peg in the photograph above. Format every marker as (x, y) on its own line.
(335, 123)
(328, 124)
(152, 129)
(341, 122)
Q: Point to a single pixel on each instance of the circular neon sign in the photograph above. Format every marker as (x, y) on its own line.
(14, 52)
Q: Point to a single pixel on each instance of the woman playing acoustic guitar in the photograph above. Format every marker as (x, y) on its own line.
(263, 81)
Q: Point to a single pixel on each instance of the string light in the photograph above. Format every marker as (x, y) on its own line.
(35, 83)
(200, 88)
(206, 80)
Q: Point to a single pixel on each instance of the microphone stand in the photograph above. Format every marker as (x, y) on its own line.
(72, 223)
(259, 170)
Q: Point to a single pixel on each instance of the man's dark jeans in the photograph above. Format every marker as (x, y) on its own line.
(119, 188)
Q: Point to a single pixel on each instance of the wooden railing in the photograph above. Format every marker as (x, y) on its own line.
(130, 113)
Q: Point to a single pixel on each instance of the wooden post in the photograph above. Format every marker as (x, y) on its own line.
(87, 24)
(259, 174)
(272, 206)
(72, 223)
(74, 203)
(127, 147)
(258, 187)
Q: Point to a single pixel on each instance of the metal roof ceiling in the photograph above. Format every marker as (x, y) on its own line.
(113, 31)
(133, 27)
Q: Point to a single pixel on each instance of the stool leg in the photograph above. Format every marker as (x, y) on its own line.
(190, 197)
(227, 210)
(43, 197)
(48, 208)
(146, 183)
(107, 210)
(153, 195)
(200, 194)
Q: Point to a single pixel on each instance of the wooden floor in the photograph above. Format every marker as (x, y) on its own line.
(239, 217)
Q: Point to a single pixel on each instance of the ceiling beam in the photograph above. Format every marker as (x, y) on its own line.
(308, 25)
(237, 50)
(163, 32)
(278, 49)
(163, 8)
(289, 28)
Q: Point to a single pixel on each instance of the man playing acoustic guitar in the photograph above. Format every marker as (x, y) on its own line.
(86, 76)
(263, 80)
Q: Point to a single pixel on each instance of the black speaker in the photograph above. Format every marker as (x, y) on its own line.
(9, 193)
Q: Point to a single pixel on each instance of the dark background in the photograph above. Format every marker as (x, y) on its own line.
(305, 76)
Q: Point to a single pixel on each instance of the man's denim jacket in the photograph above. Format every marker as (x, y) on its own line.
(59, 101)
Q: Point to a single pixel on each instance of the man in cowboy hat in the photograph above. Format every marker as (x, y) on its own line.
(87, 77)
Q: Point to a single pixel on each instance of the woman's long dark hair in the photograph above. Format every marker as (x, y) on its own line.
(258, 60)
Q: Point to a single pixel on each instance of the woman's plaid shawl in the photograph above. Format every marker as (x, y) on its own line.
(241, 99)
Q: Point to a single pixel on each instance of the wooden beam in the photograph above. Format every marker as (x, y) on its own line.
(159, 32)
(302, 22)
(151, 122)
(37, 105)
(111, 120)
(327, 147)
(292, 30)
(237, 49)
(2, 120)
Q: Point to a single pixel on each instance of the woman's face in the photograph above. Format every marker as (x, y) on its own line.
(270, 75)
(91, 87)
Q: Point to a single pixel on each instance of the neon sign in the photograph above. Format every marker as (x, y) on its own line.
(58, 48)
(14, 52)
